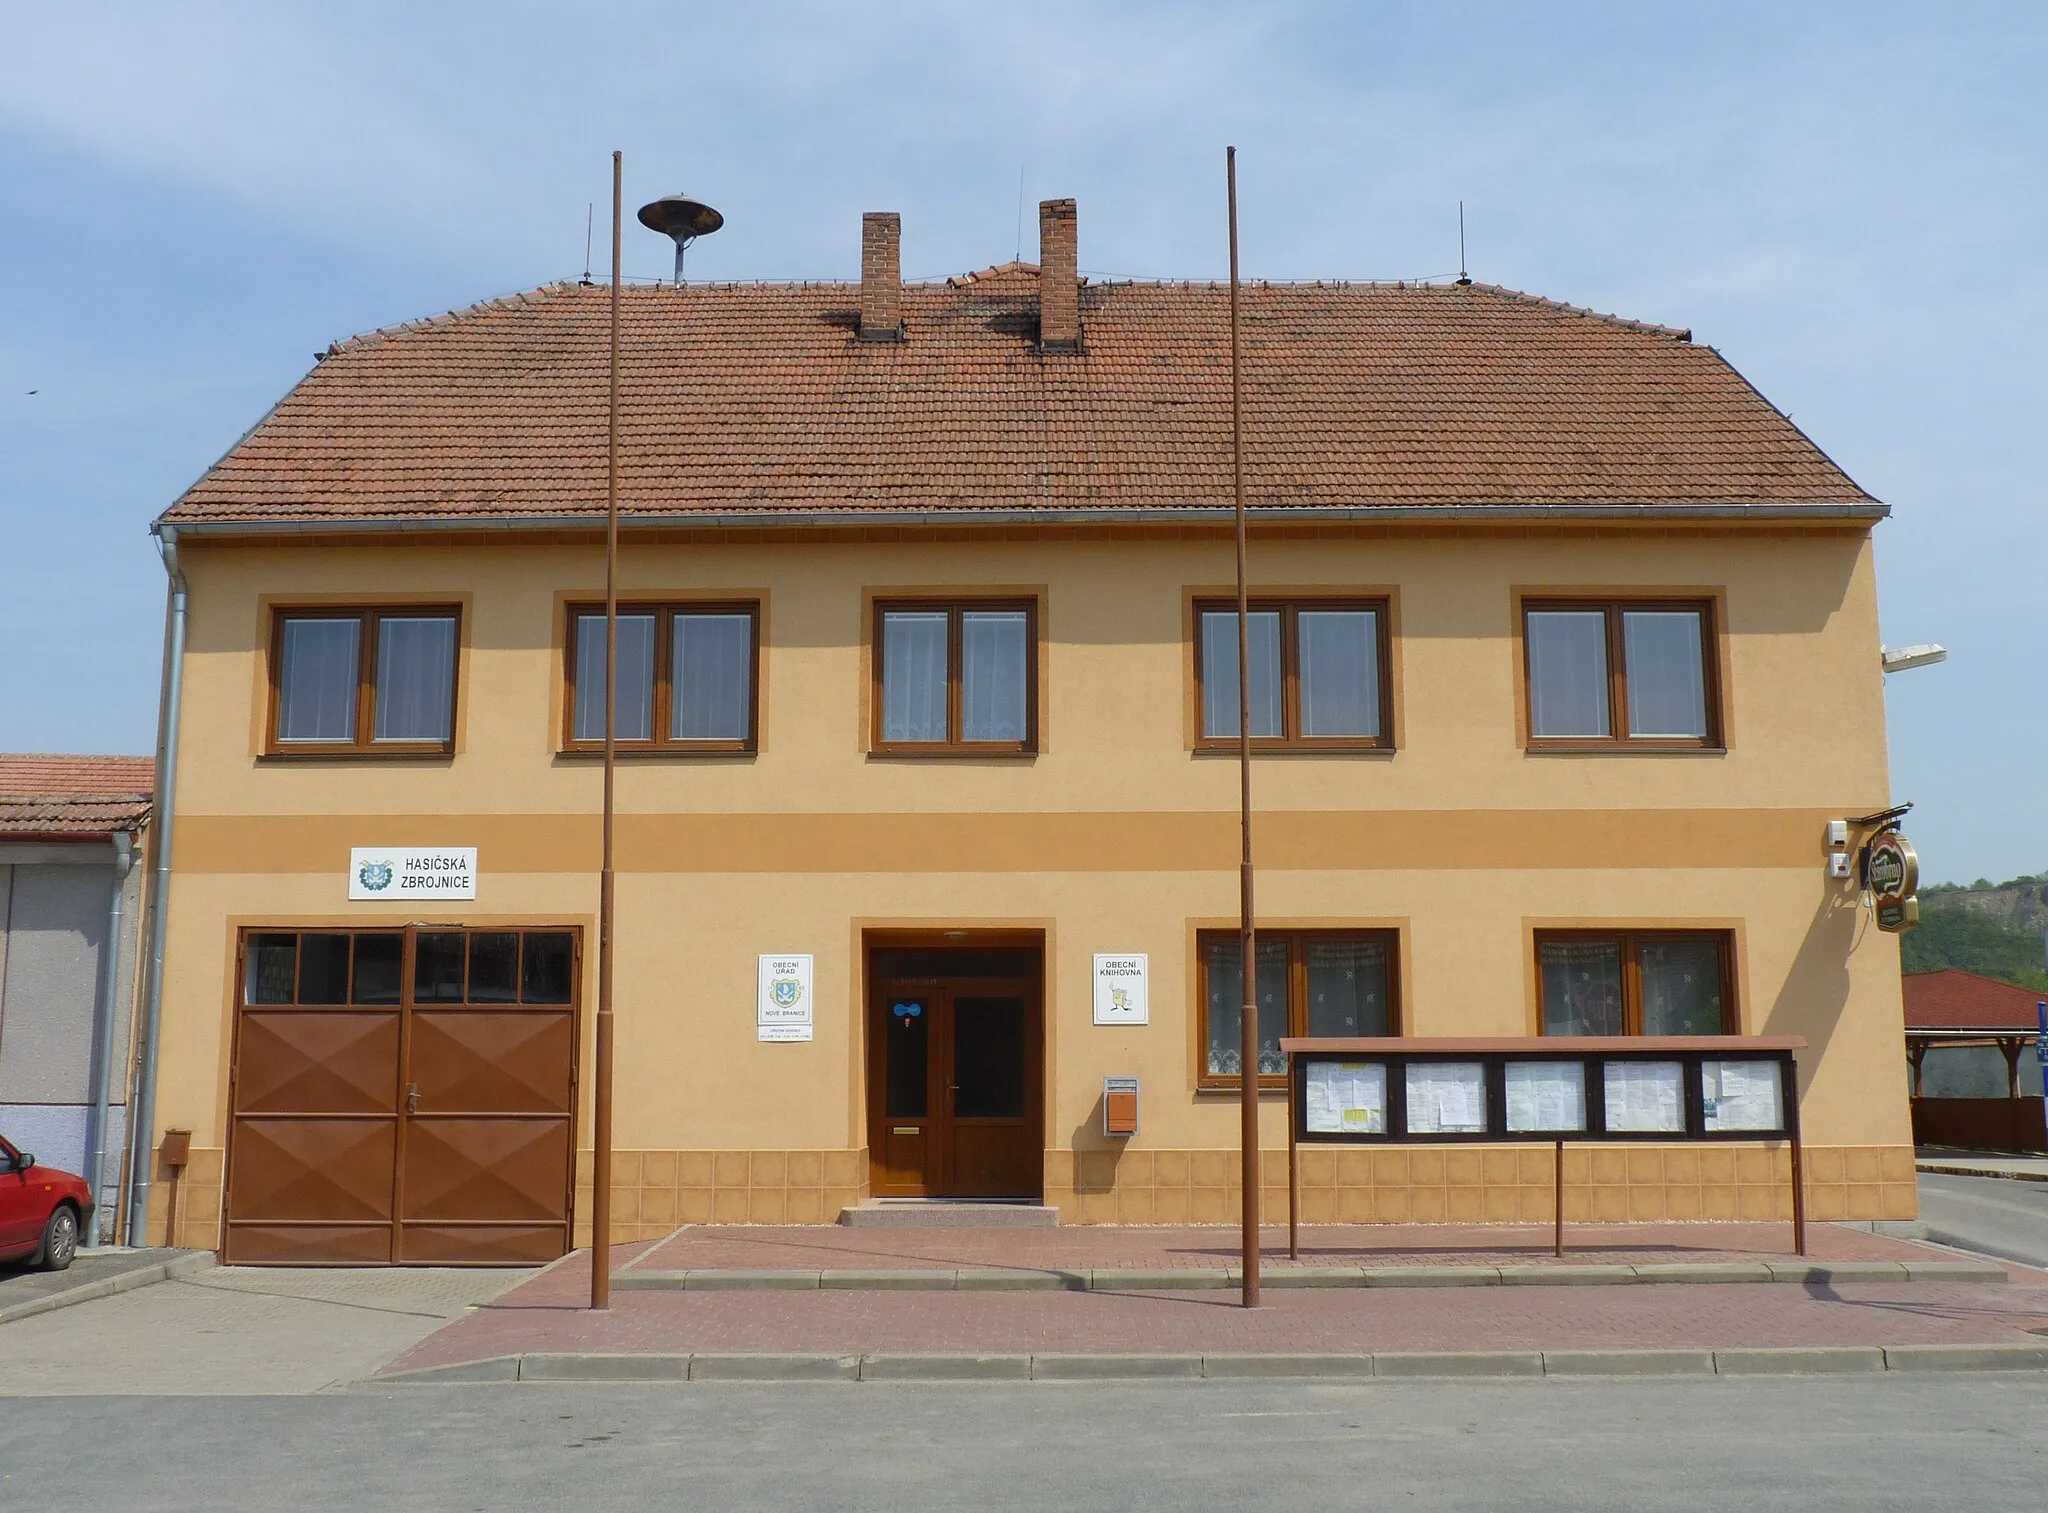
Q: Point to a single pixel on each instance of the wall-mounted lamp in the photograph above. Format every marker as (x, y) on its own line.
(1905, 658)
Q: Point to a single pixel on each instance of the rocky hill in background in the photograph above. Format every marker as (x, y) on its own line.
(1993, 929)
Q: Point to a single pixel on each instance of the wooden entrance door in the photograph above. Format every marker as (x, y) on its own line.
(955, 1092)
(402, 1096)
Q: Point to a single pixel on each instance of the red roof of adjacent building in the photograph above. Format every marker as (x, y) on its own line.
(1953, 999)
(72, 796)
(761, 400)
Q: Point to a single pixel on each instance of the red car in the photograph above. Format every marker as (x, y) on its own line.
(42, 1210)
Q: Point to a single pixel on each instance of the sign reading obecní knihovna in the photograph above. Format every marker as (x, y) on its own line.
(1893, 872)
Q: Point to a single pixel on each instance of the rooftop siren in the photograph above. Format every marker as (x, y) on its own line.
(683, 219)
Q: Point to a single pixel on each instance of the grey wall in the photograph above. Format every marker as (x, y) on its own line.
(53, 927)
(1975, 1071)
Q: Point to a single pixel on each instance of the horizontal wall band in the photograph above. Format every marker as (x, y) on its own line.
(1297, 840)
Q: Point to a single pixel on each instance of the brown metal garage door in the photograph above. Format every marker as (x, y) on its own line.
(402, 1097)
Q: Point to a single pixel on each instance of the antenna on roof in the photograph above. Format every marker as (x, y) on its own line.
(589, 219)
(682, 219)
(1463, 276)
(1018, 256)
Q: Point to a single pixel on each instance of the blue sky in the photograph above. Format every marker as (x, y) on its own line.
(1850, 201)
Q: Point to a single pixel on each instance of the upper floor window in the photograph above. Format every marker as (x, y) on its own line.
(688, 676)
(1310, 982)
(959, 676)
(1638, 672)
(364, 680)
(1636, 982)
(1319, 672)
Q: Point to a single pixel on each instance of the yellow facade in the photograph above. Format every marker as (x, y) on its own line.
(1116, 836)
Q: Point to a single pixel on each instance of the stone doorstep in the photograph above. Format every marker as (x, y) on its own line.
(1211, 1278)
(105, 1287)
(942, 1213)
(741, 1366)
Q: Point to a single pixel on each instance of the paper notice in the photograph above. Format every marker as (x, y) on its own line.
(1347, 1097)
(1742, 1095)
(1447, 1098)
(1546, 1095)
(1646, 1095)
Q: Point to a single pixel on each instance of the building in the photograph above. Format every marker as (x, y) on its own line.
(1565, 652)
(1970, 1047)
(71, 830)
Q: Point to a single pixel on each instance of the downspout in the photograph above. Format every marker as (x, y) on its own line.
(103, 1041)
(142, 1110)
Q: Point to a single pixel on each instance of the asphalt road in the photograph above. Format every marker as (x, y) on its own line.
(1995, 1216)
(1870, 1444)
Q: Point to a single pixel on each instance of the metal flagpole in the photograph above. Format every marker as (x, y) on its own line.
(1248, 1024)
(601, 1162)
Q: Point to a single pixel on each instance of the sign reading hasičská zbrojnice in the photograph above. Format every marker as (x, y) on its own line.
(376, 873)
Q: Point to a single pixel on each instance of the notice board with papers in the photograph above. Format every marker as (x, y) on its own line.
(1663, 1088)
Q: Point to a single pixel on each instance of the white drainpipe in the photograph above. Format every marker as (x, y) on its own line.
(103, 1039)
(142, 1109)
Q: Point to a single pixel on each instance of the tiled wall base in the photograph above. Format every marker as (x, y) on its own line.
(1496, 1184)
(198, 1188)
(655, 1191)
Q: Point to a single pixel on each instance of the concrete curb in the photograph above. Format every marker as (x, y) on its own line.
(1978, 1171)
(1210, 1278)
(106, 1287)
(1796, 1360)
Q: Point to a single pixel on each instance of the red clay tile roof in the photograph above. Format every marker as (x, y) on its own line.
(1953, 999)
(73, 795)
(759, 399)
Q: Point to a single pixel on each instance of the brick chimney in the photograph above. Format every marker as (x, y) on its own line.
(1059, 293)
(881, 276)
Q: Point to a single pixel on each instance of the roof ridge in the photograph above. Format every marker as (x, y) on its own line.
(539, 294)
(1681, 333)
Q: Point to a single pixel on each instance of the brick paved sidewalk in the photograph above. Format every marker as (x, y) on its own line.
(547, 1314)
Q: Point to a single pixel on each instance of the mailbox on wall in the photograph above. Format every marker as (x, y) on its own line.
(1119, 1107)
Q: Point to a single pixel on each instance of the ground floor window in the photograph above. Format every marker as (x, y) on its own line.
(1637, 982)
(370, 967)
(1310, 982)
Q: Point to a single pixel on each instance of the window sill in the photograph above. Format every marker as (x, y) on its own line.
(1621, 748)
(358, 754)
(949, 754)
(657, 753)
(1267, 1089)
(1292, 749)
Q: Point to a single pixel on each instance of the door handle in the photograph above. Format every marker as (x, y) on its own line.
(412, 1097)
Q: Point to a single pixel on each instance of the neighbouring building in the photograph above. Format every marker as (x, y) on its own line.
(1970, 1049)
(71, 885)
(1564, 648)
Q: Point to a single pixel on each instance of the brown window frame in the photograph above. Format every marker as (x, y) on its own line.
(408, 987)
(1297, 991)
(1617, 676)
(369, 619)
(1631, 942)
(1290, 738)
(954, 607)
(664, 612)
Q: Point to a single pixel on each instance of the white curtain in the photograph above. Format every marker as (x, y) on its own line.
(914, 675)
(316, 697)
(1340, 672)
(1219, 672)
(1568, 672)
(992, 675)
(1667, 691)
(415, 679)
(712, 671)
(1581, 987)
(1681, 987)
(635, 673)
